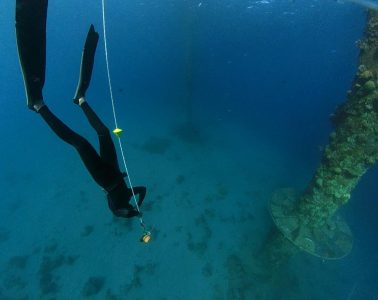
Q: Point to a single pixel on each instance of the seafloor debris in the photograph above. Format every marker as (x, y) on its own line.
(88, 230)
(93, 286)
(51, 262)
(156, 145)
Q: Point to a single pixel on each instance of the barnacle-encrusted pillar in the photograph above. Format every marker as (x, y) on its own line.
(309, 221)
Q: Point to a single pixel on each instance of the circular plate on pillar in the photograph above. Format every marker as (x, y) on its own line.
(334, 240)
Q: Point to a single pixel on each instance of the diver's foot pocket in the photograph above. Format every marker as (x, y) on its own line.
(36, 105)
(79, 101)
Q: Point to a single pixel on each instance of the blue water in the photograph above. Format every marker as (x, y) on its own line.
(256, 81)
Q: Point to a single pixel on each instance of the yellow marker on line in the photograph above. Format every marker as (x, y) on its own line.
(118, 132)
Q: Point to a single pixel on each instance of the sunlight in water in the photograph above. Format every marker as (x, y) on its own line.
(365, 3)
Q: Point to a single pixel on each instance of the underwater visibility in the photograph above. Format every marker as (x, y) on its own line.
(366, 3)
(221, 150)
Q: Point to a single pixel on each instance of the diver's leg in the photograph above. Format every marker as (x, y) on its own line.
(31, 43)
(88, 154)
(107, 149)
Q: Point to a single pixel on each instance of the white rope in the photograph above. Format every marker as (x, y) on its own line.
(113, 107)
(107, 63)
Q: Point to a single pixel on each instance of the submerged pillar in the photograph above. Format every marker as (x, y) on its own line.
(310, 220)
(188, 130)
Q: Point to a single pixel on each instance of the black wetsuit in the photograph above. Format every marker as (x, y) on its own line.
(31, 41)
(104, 167)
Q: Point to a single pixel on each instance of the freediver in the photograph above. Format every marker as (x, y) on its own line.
(31, 42)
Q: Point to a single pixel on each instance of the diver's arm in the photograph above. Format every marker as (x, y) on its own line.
(125, 213)
(141, 190)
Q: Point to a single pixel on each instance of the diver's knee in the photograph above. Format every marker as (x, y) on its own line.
(103, 131)
(81, 143)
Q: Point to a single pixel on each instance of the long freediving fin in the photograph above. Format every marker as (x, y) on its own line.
(31, 44)
(87, 61)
